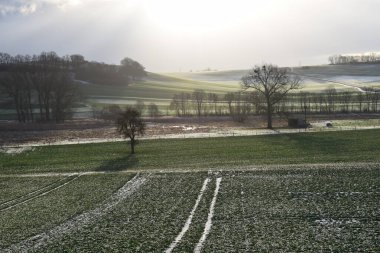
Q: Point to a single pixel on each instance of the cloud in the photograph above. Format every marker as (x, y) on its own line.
(26, 7)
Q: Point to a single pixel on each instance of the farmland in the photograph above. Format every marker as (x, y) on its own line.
(198, 153)
(160, 88)
(281, 209)
(301, 192)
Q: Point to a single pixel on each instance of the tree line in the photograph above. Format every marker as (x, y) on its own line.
(110, 74)
(45, 82)
(239, 105)
(354, 59)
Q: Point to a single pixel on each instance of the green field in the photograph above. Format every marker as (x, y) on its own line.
(304, 148)
(292, 193)
(303, 209)
(160, 88)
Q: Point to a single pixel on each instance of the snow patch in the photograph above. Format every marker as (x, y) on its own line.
(331, 222)
(15, 150)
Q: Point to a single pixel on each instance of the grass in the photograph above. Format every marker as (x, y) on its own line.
(169, 154)
(276, 210)
(297, 211)
(15, 187)
(156, 87)
(357, 123)
(294, 208)
(47, 211)
(148, 222)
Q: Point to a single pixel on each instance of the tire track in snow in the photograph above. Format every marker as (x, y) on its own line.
(35, 242)
(189, 219)
(33, 192)
(208, 224)
(39, 195)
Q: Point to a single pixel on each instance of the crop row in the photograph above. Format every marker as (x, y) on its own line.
(12, 188)
(301, 210)
(298, 209)
(146, 222)
(48, 210)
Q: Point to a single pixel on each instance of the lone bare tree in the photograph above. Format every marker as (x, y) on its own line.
(273, 83)
(131, 124)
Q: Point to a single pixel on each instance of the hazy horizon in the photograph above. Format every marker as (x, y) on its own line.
(172, 36)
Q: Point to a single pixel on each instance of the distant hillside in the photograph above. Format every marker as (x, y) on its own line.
(160, 88)
(341, 70)
(315, 78)
(157, 88)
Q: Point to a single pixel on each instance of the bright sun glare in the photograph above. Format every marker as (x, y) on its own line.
(195, 15)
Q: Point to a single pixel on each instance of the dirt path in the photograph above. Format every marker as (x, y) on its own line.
(16, 149)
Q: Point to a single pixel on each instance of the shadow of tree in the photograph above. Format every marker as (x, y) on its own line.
(122, 163)
(328, 144)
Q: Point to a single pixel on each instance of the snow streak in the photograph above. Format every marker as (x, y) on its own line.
(189, 219)
(40, 240)
(208, 225)
(39, 195)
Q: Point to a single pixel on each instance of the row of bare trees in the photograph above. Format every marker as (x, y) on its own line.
(352, 59)
(243, 103)
(39, 82)
(330, 101)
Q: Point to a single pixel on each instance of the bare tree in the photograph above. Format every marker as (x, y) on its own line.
(273, 82)
(183, 102)
(199, 97)
(130, 124)
(153, 110)
(62, 97)
(175, 104)
(242, 106)
(229, 97)
(346, 99)
(330, 99)
(140, 106)
(213, 98)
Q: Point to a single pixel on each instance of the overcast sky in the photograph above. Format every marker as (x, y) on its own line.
(174, 35)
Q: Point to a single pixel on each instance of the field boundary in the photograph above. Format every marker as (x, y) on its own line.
(86, 218)
(200, 135)
(253, 167)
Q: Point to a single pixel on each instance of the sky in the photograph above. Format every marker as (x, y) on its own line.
(184, 35)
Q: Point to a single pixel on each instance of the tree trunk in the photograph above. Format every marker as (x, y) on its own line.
(16, 100)
(269, 114)
(132, 146)
(269, 118)
(40, 106)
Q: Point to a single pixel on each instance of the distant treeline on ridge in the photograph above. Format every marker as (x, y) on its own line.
(354, 59)
(44, 82)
